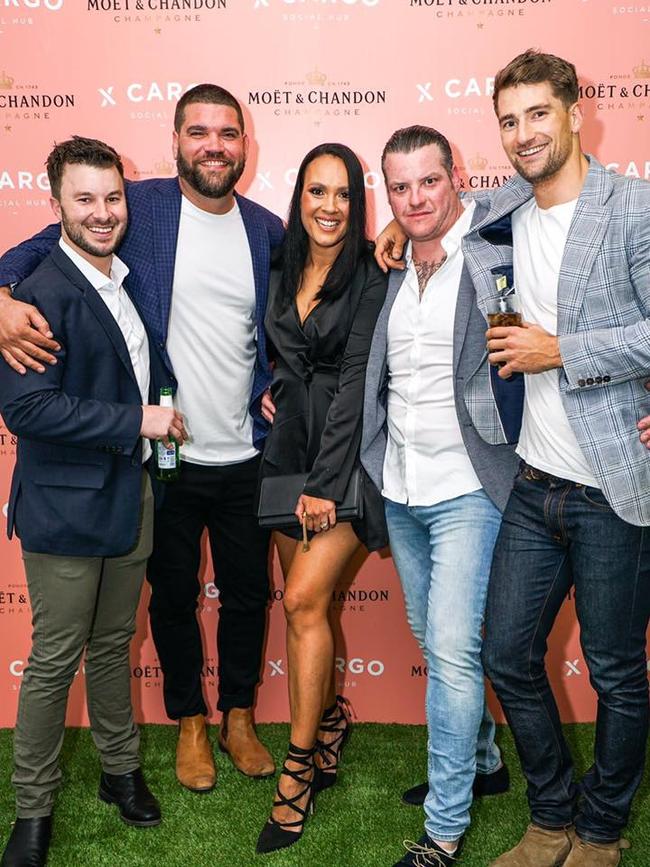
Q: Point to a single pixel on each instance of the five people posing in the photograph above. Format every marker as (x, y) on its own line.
(438, 423)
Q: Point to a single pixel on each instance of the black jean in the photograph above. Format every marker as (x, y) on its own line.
(556, 533)
(221, 499)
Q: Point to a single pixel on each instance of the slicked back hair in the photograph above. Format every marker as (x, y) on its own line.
(412, 138)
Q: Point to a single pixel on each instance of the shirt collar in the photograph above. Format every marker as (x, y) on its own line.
(451, 241)
(93, 275)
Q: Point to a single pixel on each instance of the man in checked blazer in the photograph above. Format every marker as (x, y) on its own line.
(580, 507)
(444, 486)
(199, 258)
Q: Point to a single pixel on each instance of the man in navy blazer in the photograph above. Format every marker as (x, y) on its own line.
(81, 499)
(199, 259)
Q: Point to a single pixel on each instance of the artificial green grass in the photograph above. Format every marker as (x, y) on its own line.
(359, 823)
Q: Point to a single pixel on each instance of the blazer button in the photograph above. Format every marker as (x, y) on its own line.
(607, 378)
(598, 379)
(590, 381)
(581, 383)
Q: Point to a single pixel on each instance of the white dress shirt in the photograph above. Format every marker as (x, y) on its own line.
(114, 296)
(426, 461)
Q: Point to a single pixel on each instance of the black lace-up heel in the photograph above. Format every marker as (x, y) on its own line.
(336, 720)
(279, 835)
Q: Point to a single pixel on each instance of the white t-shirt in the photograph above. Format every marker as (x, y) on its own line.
(426, 461)
(547, 440)
(211, 339)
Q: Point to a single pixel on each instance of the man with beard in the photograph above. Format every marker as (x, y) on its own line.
(81, 498)
(199, 257)
(580, 507)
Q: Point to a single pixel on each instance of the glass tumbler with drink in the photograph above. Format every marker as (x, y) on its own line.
(503, 311)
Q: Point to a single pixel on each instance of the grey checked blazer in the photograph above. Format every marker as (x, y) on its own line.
(494, 464)
(603, 326)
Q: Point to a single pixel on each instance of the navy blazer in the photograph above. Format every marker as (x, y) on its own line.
(76, 484)
(149, 249)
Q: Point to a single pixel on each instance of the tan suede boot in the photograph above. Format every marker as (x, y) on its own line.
(237, 737)
(587, 854)
(194, 760)
(538, 848)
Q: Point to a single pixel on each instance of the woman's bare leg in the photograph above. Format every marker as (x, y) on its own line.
(310, 644)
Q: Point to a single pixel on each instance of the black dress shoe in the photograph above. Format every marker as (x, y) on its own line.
(495, 783)
(28, 844)
(426, 853)
(135, 802)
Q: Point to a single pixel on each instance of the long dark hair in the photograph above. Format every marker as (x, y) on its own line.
(296, 243)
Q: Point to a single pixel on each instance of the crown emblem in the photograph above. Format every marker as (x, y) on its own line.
(164, 167)
(316, 77)
(642, 70)
(477, 163)
(6, 81)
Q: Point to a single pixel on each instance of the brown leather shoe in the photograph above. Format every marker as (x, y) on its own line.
(238, 738)
(539, 847)
(587, 854)
(194, 760)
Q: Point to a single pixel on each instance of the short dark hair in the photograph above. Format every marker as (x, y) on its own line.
(86, 151)
(211, 94)
(535, 67)
(355, 244)
(412, 138)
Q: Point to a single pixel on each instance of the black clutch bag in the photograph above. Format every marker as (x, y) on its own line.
(279, 495)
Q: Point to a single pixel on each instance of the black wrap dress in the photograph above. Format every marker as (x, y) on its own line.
(318, 384)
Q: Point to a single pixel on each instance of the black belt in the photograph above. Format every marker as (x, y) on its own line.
(532, 474)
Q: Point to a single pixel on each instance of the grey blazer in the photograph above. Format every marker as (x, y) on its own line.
(494, 464)
(603, 324)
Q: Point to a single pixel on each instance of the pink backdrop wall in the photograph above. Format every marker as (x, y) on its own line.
(306, 71)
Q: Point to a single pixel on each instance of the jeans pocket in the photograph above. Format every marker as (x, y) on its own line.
(594, 497)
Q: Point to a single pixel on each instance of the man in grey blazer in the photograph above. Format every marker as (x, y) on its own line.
(444, 486)
(580, 507)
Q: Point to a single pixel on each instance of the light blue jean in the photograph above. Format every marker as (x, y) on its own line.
(443, 555)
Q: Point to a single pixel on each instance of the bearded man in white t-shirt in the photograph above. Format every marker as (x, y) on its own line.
(580, 505)
(199, 256)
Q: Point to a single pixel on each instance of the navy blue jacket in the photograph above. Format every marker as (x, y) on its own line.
(149, 249)
(76, 484)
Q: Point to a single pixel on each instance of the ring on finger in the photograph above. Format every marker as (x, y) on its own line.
(324, 525)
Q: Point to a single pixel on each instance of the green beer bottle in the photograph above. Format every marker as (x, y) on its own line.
(168, 464)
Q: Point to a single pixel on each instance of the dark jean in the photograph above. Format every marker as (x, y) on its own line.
(220, 498)
(554, 534)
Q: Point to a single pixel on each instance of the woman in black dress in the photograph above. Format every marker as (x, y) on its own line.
(324, 300)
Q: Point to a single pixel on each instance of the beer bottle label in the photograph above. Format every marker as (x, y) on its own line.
(166, 456)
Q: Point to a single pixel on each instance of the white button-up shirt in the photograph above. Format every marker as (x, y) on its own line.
(426, 461)
(114, 296)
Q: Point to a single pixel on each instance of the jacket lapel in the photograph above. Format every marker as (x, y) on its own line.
(100, 310)
(258, 241)
(465, 300)
(166, 207)
(381, 334)
(487, 247)
(587, 230)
